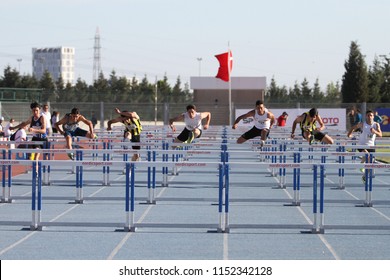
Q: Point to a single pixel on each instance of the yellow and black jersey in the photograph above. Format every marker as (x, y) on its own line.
(306, 124)
(133, 126)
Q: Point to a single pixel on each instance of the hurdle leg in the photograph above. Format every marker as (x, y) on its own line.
(368, 183)
(321, 228)
(130, 179)
(35, 198)
(297, 191)
(46, 171)
(79, 181)
(6, 192)
(341, 174)
(9, 199)
(315, 222)
(164, 182)
(220, 198)
(175, 158)
(3, 197)
(151, 185)
(33, 224)
(80, 190)
(296, 182)
(226, 227)
(39, 196)
(108, 177)
(152, 180)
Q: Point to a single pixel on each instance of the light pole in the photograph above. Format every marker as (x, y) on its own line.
(200, 61)
(19, 60)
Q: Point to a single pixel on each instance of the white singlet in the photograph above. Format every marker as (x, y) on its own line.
(191, 124)
(262, 121)
(367, 137)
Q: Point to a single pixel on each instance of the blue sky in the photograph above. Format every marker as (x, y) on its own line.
(287, 40)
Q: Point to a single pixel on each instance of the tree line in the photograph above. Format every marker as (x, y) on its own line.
(112, 89)
(360, 83)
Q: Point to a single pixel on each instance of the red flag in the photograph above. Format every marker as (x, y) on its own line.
(225, 66)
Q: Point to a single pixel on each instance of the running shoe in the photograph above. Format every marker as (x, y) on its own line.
(191, 138)
(362, 170)
(71, 156)
(262, 143)
(364, 178)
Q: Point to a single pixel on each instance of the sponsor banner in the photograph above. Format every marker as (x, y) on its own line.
(385, 114)
(334, 119)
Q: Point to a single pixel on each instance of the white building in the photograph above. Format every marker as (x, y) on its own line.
(59, 62)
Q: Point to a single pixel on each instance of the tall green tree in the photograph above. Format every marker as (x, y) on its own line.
(28, 81)
(146, 90)
(59, 84)
(177, 93)
(355, 79)
(295, 93)
(317, 94)
(276, 94)
(47, 84)
(306, 93)
(385, 88)
(375, 81)
(332, 93)
(188, 95)
(119, 87)
(101, 89)
(134, 94)
(11, 78)
(164, 90)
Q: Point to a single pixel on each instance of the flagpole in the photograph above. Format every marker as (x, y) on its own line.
(230, 88)
(224, 74)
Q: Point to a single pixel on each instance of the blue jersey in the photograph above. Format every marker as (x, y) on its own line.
(37, 124)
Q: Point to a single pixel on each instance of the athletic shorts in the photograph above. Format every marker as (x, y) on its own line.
(318, 135)
(185, 134)
(35, 138)
(254, 132)
(77, 132)
(136, 139)
(133, 139)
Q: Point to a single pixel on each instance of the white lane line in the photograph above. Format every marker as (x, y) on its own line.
(140, 220)
(372, 208)
(17, 243)
(320, 236)
(225, 246)
(52, 220)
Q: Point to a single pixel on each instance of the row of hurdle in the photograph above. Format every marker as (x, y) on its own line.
(164, 158)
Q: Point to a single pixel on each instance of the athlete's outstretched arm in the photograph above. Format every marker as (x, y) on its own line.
(179, 118)
(207, 116)
(244, 116)
(110, 122)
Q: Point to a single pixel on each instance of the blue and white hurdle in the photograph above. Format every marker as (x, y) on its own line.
(223, 193)
(223, 166)
(129, 224)
(318, 225)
